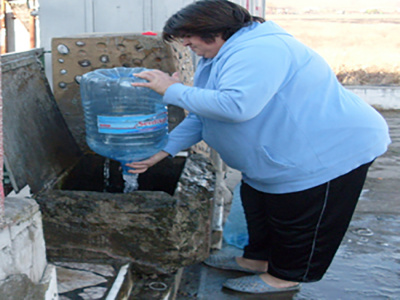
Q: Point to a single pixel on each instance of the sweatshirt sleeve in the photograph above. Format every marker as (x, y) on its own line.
(241, 87)
(185, 135)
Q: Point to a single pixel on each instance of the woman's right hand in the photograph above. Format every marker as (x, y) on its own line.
(157, 80)
(142, 166)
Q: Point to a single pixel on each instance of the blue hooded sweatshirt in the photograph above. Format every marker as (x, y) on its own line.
(274, 110)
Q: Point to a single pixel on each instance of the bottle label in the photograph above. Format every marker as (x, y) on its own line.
(127, 124)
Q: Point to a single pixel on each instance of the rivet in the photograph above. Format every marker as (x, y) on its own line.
(62, 49)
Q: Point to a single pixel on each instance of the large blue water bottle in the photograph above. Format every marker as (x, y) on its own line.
(123, 122)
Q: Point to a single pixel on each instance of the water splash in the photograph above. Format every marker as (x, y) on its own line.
(131, 182)
(106, 174)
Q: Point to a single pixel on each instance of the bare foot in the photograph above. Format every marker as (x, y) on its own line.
(255, 265)
(276, 282)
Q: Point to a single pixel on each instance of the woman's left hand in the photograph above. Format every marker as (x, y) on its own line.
(142, 166)
(157, 80)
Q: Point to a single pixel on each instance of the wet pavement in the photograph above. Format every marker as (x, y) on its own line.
(367, 264)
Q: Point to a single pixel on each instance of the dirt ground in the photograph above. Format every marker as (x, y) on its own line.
(361, 49)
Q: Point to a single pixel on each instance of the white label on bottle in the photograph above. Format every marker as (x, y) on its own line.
(127, 124)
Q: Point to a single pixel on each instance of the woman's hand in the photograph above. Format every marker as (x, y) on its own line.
(158, 81)
(142, 166)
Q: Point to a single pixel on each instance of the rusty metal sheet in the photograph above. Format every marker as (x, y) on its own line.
(38, 146)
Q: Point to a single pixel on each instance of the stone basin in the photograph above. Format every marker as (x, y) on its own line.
(160, 228)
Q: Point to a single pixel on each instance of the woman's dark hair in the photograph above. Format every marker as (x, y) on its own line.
(207, 19)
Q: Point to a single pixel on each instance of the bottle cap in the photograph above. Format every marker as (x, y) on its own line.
(149, 33)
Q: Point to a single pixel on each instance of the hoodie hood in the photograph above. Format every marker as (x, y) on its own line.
(250, 33)
(238, 40)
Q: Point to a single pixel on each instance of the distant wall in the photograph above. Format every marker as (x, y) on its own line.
(381, 97)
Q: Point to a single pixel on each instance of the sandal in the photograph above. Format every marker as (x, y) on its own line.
(227, 263)
(255, 285)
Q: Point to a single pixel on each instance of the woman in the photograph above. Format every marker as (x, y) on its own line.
(274, 110)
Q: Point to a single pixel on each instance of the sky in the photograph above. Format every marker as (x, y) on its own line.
(336, 4)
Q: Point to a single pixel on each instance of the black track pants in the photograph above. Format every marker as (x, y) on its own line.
(299, 233)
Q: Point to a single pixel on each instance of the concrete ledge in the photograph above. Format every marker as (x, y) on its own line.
(381, 97)
(24, 272)
(22, 247)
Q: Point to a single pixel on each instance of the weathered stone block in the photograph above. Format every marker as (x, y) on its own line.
(24, 273)
(24, 250)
